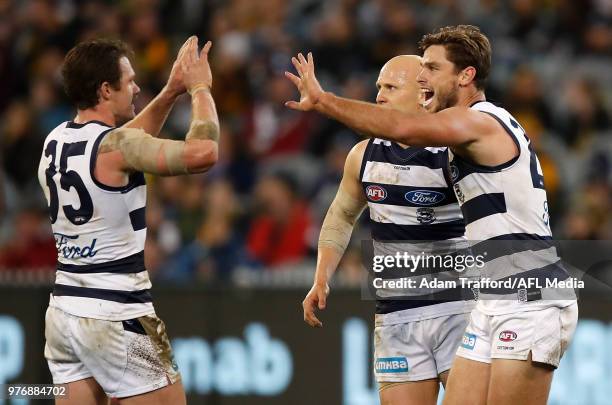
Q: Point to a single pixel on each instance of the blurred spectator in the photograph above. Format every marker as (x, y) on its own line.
(327, 187)
(20, 145)
(32, 246)
(217, 249)
(154, 257)
(585, 113)
(47, 106)
(278, 232)
(589, 217)
(525, 100)
(273, 129)
(191, 208)
(212, 256)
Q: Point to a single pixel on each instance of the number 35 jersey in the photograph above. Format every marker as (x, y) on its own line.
(99, 230)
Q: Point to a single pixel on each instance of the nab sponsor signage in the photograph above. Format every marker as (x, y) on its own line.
(391, 365)
(468, 341)
(258, 356)
(258, 365)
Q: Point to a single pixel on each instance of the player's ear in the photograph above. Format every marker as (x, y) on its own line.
(104, 93)
(467, 75)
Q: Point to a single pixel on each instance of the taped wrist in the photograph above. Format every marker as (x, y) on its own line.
(199, 87)
(339, 221)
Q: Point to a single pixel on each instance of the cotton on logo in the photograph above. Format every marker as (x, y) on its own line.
(376, 193)
(507, 336)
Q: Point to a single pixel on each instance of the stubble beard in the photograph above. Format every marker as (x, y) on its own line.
(449, 98)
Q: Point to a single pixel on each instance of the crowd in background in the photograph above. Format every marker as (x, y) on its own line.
(259, 210)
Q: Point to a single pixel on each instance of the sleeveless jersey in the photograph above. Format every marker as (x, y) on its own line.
(410, 199)
(508, 203)
(99, 230)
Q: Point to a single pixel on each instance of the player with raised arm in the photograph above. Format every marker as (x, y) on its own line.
(420, 334)
(103, 338)
(512, 345)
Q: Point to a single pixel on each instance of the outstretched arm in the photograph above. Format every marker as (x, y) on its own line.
(152, 118)
(129, 149)
(336, 233)
(450, 127)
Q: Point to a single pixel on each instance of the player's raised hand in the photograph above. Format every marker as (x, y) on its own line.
(315, 299)
(195, 67)
(175, 82)
(306, 82)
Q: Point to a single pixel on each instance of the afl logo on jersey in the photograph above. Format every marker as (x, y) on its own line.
(424, 197)
(507, 336)
(376, 193)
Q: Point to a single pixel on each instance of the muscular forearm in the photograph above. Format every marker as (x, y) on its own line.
(366, 118)
(336, 233)
(204, 121)
(328, 259)
(152, 118)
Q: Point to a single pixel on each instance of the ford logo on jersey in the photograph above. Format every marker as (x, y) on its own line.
(69, 250)
(424, 197)
(391, 365)
(376, 193)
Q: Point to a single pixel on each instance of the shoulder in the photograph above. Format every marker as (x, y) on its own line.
(114, 139)
(357, 151)
(355, 155)
(56, 132)
(466, 119)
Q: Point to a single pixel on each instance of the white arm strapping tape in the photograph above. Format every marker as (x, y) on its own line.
(339, 221)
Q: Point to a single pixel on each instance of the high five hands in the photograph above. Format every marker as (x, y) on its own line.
(191, 69)
(306, 82)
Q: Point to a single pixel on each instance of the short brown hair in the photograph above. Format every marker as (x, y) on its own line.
(465, 46)
(88, 65)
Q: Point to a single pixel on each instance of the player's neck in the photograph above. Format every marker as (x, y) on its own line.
(470, 97)
(97, 113)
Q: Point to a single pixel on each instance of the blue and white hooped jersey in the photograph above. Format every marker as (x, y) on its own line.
(410, 199)
(409, 194)
(506, 203)
(99, 230)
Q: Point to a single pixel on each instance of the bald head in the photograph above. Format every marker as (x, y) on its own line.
(407, 66)
(397, 84)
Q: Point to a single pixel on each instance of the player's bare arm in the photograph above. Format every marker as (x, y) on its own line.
(335, 234)
(130, 149)
(152, 118)
(465, 130)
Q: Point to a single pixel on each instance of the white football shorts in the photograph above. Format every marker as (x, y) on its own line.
(126, 358)
(417, 350)
(546, 333)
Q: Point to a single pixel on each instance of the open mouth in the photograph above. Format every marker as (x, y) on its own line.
(426, 97)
